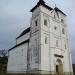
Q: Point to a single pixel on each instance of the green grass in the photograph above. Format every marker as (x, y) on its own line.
(19, 74)
(3, 73)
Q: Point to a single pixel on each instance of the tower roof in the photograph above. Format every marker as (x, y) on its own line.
(57, 9)
(41, 2)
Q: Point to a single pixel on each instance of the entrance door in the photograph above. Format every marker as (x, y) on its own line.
(59, 67)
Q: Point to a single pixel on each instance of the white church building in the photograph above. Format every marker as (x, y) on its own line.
(43, 47)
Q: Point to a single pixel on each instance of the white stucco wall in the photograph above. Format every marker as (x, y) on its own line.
(17, 60)
(47, 51)
(23, 38)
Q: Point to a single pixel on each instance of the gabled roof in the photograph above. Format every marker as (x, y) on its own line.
(19, 44)
(24, 32)
(41, 2)
(58, 10)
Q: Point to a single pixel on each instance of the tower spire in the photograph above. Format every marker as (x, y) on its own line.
(41, 2)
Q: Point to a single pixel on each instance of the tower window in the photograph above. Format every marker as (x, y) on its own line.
(63, 31)
(45, 22)
(36, 22)
(46, 40)
(62, 20)
(55, 27)
(56, 43)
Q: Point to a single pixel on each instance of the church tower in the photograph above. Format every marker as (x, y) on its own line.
(49, 49)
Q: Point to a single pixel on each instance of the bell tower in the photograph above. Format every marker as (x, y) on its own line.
(40, 37)
(49, 50)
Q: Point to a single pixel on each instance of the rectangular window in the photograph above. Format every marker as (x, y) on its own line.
(62, 20)
(63, 31)
(45, 22)
(36, 22)
(46, 40)
(55, 28)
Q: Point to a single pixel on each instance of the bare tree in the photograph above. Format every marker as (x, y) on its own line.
(3, 53)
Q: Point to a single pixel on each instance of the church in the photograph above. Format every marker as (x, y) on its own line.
(43, 47)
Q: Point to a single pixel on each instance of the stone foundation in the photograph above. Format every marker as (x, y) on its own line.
(42, 73)
(49, 73)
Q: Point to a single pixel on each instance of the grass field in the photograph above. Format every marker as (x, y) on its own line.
(19, 74)
(4, 73)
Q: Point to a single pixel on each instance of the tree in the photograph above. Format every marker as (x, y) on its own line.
(3, 53)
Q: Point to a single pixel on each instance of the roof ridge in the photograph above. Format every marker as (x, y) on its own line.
(24, 32)
(57, 9)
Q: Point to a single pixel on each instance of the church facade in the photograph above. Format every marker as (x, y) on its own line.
(43, 47)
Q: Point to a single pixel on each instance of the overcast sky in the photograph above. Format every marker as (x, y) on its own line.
(15, 17)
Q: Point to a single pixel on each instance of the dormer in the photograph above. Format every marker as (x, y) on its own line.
(54, 15)
(60, 14)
